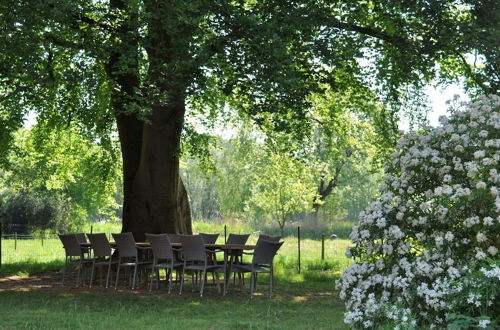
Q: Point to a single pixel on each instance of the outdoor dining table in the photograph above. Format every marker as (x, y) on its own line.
(228, 249)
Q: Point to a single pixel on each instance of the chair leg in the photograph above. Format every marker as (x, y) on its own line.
(232, 260)
(204, 275)
(218, 283)
(92, 273)
(64, 270)
(151, 283)
(135, 276)
(109, 272)
(78, 275)
(182, 279)
(158, 279)
(117, 273)
(252, 275)
(170, 280)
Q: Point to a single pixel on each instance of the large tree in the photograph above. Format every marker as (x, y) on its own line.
(141, 64)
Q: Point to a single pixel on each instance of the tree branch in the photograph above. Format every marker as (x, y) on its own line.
(333, 182)
(78, 16)
(471, 73)
(63, 43)
(394, 40)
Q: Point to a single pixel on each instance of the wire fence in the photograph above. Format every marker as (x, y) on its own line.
(297, 253)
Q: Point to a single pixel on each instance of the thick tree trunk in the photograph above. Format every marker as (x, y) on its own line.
(155, 200)
(152, 200)
(153, 204)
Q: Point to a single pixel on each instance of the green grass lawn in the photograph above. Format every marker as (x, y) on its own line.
(301, 300)
(305, 300)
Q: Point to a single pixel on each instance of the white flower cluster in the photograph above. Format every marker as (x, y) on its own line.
(438, 214)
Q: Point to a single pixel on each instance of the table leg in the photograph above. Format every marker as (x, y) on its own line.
(225, 272)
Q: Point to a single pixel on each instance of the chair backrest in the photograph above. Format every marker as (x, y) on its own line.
(160, 243)
(193, 248)
(125, 243)
(174, 238)
(71, 245)
(100, 244)
(209, 238)
(237, 239)
(81, 237)
(265, 251)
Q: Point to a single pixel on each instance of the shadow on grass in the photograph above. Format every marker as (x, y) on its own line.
(30, 267)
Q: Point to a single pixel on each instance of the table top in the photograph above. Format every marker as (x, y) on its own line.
(177, 245)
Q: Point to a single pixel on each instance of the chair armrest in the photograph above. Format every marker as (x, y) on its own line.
(210, 251)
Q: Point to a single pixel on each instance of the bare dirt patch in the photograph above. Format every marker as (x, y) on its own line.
(44, 281)
(52, 281)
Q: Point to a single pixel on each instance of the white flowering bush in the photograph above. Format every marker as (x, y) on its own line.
(473, 298)
(436, 223)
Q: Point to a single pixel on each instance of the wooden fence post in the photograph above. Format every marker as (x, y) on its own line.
(298, 245)
(322, 246)
(15, 240)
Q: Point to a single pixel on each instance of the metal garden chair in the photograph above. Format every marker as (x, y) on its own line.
(262, 262)
(236, 256)
(103, 255)
(196, 259)
(74, 255)
(128, 255)
(163, 258)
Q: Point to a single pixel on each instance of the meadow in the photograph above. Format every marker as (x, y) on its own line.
(305, 299)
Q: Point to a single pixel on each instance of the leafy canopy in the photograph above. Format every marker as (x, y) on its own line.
(263, 58)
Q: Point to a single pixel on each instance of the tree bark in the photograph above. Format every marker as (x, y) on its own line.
(184, 226)
(155, 187)
(324, 192)
(152, 200)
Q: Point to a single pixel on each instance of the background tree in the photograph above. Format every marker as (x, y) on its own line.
(282, 188)
(201, 188)
(344, 133)
(236, 164)
(58, 180)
